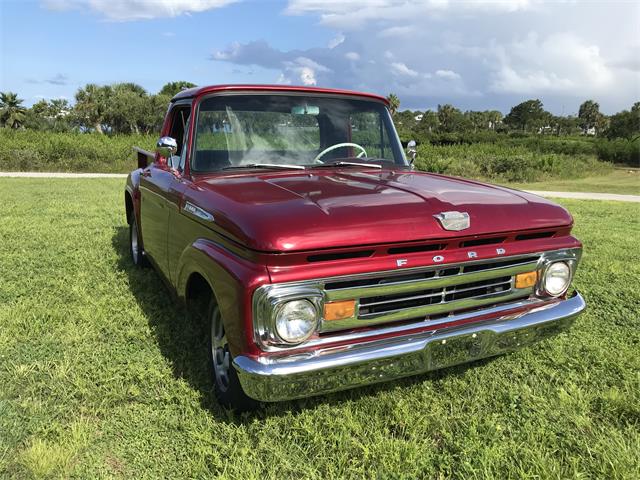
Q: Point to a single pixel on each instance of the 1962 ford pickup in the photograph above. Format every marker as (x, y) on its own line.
(291, 220)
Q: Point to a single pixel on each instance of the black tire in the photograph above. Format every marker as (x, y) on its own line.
(226, 384)
(136, 252)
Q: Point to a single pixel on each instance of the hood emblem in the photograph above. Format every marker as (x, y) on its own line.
(455, 221)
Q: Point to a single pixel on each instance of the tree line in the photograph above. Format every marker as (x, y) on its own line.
(124, 108)
(528, 117)
(119, 108)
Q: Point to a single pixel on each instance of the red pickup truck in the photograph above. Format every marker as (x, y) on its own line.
(291, 221)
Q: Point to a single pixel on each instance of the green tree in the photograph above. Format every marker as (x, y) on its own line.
(126, 105)
(590, 116)
(12, 112)
(625, 124)
(49, 115)
(477, 120)
(494, 118)
(172, 88)
(406, 119)
(451, 119)
(429, 122)
(92, 103)
(563, 125)
(529, 115)
(154, 113)
(394, 103)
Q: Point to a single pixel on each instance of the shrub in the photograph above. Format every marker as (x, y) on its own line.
(504, 163)
(78, 152)
(620, 151)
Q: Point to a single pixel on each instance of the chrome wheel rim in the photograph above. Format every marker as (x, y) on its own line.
(134, 242)
(219, 351)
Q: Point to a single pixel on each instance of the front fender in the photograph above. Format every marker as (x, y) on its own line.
(233, 280)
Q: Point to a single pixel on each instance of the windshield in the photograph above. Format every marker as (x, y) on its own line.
(241, 130)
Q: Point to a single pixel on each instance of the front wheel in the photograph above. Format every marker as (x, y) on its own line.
(227, 387)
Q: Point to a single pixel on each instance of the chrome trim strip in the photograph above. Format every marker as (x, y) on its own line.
(433, 309)
(282, 377)
(365, 334)
(429, 283)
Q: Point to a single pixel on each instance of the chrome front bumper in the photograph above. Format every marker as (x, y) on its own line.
(276, 378)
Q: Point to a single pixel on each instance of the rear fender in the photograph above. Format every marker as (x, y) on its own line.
(132, 195)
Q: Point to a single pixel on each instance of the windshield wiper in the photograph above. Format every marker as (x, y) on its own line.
(341, 163)
(276, 166)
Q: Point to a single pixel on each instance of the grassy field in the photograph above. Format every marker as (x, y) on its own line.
(102, 378)
(618, 181)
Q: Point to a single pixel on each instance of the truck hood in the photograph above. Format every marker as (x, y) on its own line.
(293, 211)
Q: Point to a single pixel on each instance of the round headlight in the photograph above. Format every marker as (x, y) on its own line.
(296, 321)
(557, 278)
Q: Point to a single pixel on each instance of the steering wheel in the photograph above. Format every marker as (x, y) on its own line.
(340, 145)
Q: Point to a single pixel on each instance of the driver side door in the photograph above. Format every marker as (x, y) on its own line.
(161, 187)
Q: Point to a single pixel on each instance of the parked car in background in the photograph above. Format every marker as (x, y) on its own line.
(290, 219)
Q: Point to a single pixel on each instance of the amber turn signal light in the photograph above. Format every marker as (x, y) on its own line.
(526, 280)
(339, 310)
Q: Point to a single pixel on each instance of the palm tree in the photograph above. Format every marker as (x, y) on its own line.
(394, 103)
(449, 117)
(91, 105)
(12, 113)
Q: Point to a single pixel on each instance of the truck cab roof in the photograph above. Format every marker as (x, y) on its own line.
(199, 91)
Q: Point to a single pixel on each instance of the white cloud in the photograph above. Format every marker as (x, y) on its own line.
(295, 66)
(399, 31)
(561, 62)
(400, 68)
(484, 56)
(126, 10)
(335, 41)
(447, 74)
(304, 70)
(352, 14)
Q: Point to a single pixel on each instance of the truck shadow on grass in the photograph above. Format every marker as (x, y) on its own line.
(184, 344)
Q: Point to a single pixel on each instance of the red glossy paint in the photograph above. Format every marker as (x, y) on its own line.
(260, 210)
(268, 224)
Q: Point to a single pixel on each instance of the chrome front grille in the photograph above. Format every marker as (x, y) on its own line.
(372, 306)
(430, 293)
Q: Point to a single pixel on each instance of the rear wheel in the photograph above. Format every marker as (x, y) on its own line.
(135, 246)
(227, 387)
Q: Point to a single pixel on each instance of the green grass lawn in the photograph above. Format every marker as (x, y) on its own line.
(101, 377)
(618, 181)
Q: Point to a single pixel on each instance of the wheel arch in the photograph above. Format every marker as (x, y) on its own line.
(228, 278)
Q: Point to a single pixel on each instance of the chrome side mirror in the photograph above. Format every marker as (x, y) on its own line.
(411, 151)
(166, 147)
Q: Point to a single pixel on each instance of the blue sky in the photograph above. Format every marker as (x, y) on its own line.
(486, 54)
